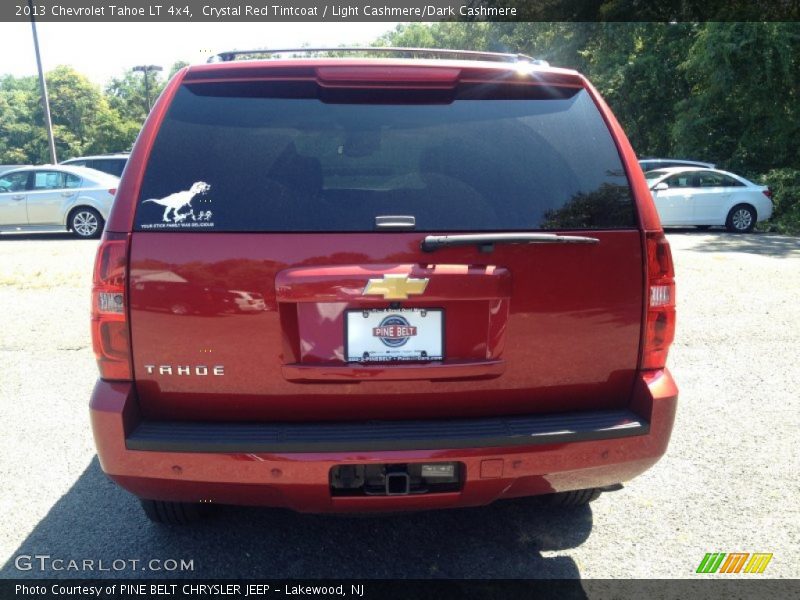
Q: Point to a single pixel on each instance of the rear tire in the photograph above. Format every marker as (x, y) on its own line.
(86, 223)
(741, 219)
(173, 513)
(574, 498)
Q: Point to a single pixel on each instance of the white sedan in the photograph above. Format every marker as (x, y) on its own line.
(706, 197)
(59, 197)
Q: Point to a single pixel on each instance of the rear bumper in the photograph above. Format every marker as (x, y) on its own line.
(289, 465)
(764, 209)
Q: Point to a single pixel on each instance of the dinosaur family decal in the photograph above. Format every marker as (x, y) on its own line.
(175, 202)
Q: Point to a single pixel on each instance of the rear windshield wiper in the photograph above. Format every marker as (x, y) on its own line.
(486, 241)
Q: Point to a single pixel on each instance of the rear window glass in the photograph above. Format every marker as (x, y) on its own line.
(246, 161)
(112, 166)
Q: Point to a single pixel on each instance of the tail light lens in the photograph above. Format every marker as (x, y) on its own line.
(660, 302)
(112, 191)
(110, 338)
(768, 193)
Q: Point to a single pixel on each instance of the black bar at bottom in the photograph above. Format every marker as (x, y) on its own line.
(173, 436)
(563, 589)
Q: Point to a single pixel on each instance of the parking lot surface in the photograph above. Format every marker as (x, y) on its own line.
(727, 484)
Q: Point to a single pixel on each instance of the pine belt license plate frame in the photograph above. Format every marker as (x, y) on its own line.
(425, 342)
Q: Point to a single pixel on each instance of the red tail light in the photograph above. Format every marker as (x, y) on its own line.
(768, 193)
(109, 313)
(112, 191)
(660, 302)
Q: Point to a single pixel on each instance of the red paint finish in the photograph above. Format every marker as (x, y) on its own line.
(320, 296)
(300, 481)
(492, 468)
(400, 75)
(345, 283)
(450, 370)
(564, 321)
(381, 72)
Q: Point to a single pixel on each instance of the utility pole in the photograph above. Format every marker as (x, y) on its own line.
(145, 69)
(43, 85)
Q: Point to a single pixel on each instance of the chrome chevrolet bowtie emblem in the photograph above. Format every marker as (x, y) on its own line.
(395, 287)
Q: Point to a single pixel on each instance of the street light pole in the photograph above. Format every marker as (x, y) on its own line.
(147, 91)
(145, 69)
(43, 85)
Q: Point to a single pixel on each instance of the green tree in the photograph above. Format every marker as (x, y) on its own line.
(742, 108)
(86, 119)
(637, 68)
(83, 122)
(18, 131)
(126, 94)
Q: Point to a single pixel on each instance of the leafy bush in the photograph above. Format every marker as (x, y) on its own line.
(785, 186)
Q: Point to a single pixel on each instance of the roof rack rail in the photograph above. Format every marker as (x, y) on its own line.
(409, 52)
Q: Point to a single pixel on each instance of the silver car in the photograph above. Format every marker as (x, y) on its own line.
(57, 197)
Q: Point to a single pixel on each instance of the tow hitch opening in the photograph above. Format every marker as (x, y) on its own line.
(396, 479)
(397, 484)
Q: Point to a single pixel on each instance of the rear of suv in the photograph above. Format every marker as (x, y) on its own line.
(452, 288)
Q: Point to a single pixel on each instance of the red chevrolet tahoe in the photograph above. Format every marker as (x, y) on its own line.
(380, 284)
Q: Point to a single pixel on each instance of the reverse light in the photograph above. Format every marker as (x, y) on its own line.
(110, 338)
(660, 295)
(660, 327)
(111, 302)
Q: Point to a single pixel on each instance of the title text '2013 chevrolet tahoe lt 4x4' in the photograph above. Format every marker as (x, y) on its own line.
(353, 285)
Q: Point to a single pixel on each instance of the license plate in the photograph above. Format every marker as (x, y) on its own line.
(384, 335)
